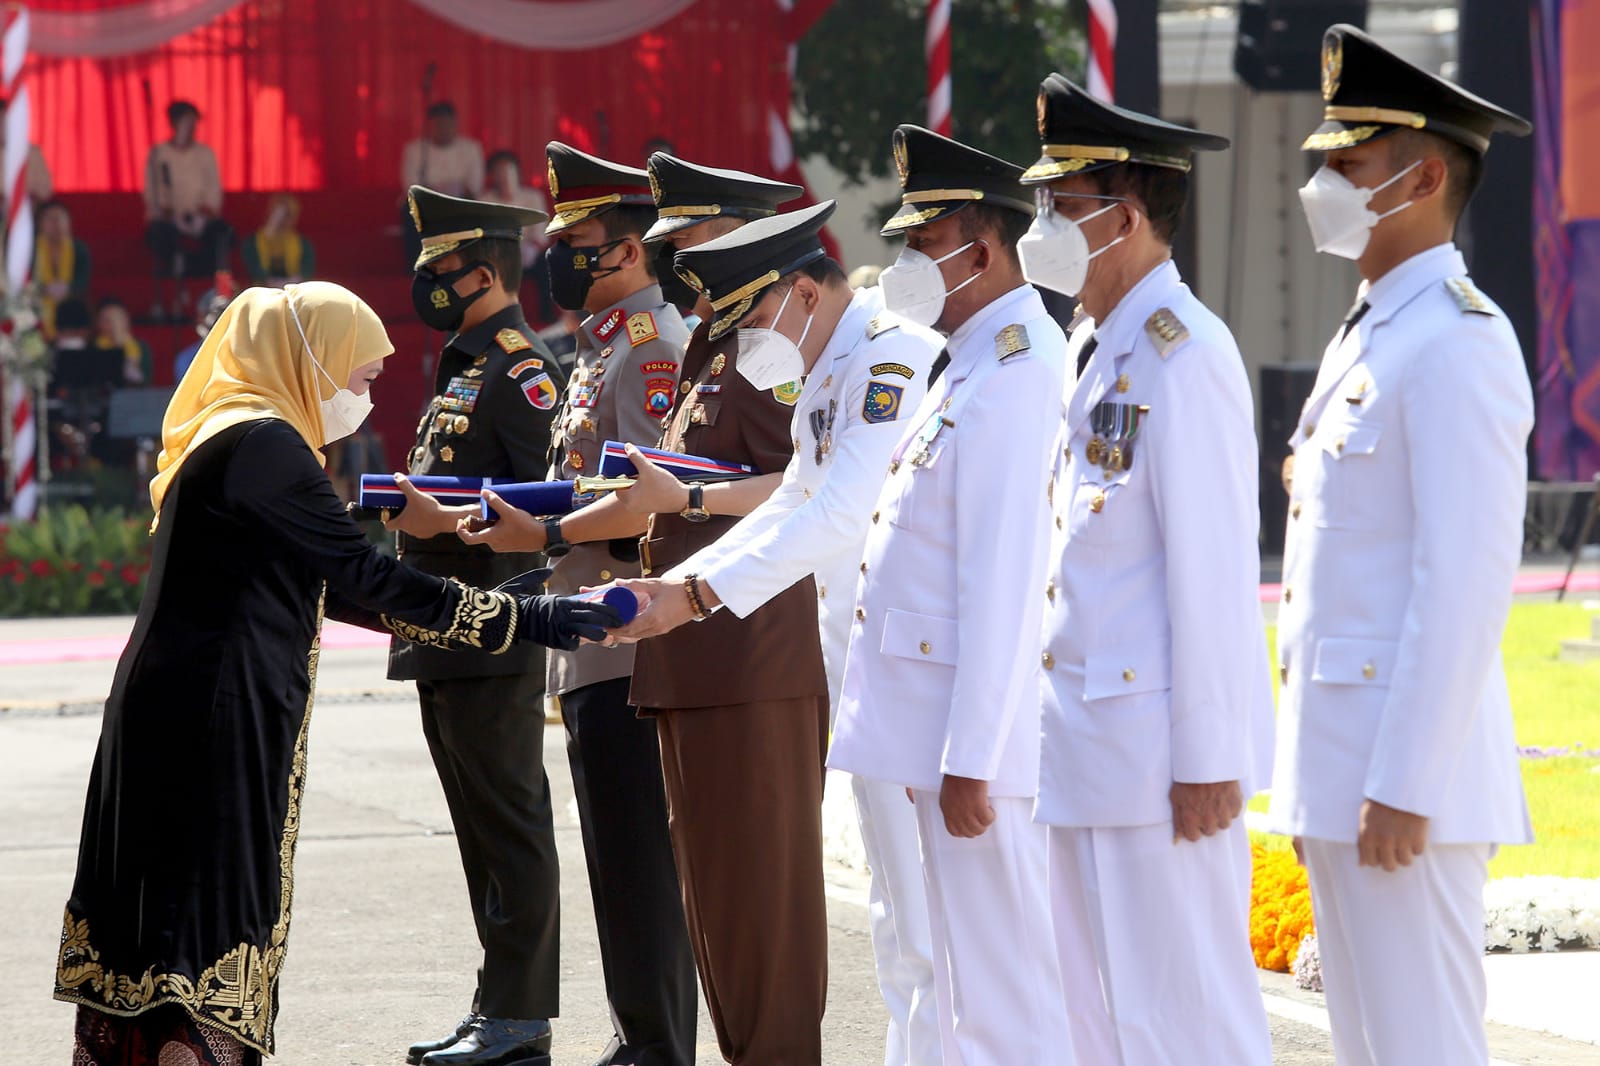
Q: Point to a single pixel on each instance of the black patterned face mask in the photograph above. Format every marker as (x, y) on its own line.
(436, 302)
(573, 271)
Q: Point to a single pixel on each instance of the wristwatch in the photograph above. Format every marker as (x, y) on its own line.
(555, 545)
(696, 511)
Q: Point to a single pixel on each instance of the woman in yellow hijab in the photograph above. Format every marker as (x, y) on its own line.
(176, 929)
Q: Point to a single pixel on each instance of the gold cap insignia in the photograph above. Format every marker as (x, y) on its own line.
(902, 161)
(690, 278)
(1044, 110)
(416, 216)
(655, 186)
(1332, 65)
(550, 173)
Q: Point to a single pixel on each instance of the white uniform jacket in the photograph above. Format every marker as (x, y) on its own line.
(1154, 652)
(942, 675)
(857, 399)
(1405, 531)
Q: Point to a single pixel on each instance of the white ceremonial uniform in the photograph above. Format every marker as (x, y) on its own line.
(937, 681)
(1405, 532)
(857, 399)
(1156, 672)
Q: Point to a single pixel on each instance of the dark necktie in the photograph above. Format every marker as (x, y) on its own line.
(941, 361)
(1357, 312)
(1086, 351)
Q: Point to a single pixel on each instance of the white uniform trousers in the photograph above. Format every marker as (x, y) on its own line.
(1402, 954)
(995, 977)
(898, 911)
(1153, 941)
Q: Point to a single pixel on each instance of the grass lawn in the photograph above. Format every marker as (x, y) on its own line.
(1556, 704)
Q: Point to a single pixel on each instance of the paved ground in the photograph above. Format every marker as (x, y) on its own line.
(382, 948)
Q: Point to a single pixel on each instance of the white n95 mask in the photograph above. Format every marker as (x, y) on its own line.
(343, 413)
(1055, 253)
(767, 358)
(914, 289)
(1337, 212)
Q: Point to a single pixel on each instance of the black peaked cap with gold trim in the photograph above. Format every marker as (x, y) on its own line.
(736, 268)
(687, 193)
(938, 177)
(583, 185)
(448, 223)
(1080, 134)
(1369, 91)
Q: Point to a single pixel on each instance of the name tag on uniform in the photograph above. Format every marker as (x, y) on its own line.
(461, 395)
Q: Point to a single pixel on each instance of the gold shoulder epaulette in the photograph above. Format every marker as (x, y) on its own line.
(511, 342)
(1166, 331)
(1468, 298)
(1010, 341)
(881, 324)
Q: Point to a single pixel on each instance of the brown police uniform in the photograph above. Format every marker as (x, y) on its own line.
(741, 707)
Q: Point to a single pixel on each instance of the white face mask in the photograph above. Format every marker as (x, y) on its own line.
(343, 414)
(913, 287)
(1337, 212)
(1055, 253)
(767, 358)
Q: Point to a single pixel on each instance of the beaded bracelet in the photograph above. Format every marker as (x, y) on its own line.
(691, 586)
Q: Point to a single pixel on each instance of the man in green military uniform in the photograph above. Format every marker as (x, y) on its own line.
(496, 390)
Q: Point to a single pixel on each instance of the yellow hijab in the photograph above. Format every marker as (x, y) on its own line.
(253, 365)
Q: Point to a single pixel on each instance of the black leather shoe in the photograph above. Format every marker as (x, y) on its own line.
(422, 1047)
(616, 1054)
(497, 1042)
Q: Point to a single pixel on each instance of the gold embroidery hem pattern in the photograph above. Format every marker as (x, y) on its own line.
(486, 621)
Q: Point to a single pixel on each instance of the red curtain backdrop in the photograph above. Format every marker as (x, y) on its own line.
(313, 94)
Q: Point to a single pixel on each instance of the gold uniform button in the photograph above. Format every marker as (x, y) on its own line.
(925, 647)
(874, 517)
(863, 568)
(685, 387)
(822, 592)
(797, 444)
(1339, 446)
(1294, 512)
(807, 492)
(1369, 671)
(1097, 503)
(1128, 674)
(1288, 594)
(605, 575)
(1311, 427)
(1058, 521)
(1050, 590)
(861, 614)
(894, 467)
(1049, 661)
(1283, 674)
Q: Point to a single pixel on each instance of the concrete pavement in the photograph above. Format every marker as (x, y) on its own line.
(382, 949)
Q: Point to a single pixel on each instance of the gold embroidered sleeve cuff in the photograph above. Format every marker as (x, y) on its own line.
(485, 621)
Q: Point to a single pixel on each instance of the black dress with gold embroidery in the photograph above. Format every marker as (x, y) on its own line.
(185, 871)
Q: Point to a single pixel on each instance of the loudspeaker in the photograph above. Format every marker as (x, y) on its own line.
(1279, 47)
(1283, 392)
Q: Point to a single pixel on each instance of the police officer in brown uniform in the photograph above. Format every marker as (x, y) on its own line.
(756, 685)
(496, 389)
(623, 384)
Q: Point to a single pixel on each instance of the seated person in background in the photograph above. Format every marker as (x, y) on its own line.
(441, 161)
(37, 180)
(114, 333)
(505, 186)
(78, 363)
(212, 304)
(277, 254)
(60, 262)
(183, 202)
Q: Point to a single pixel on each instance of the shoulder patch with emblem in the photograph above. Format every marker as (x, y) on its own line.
(641, 328)
(893, 368)
(540, 391)
(533, 362)
(1468, 298)
(882, 403)
(1010, 341)
(658, 394)
(881, 324)
(1166, 331)
(788, 393)
(511, 342)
